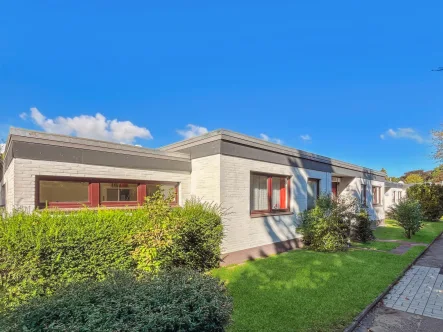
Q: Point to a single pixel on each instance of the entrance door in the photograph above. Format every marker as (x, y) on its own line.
(334, 189)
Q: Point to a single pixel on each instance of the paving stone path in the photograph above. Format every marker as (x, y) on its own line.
(415, 303)
(420, 291)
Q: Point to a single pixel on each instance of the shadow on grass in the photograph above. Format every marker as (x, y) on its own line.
(309, 291)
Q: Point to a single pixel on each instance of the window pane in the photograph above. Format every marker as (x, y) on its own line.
(363, 194)
(279, 193)
(259, 192)
(167, 189)
(118, 192)
(63, 191)
(312, 192)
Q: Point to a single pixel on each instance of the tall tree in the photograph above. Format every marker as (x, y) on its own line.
(414, 178)
(383, 170)
(437, 136)
(437, 174)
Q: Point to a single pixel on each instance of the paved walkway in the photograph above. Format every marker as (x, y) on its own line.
(418, 292)
(415, 304)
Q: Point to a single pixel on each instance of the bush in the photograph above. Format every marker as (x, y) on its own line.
(430, 197)
(361, 227)
(407, 213)
(327, 226)
(44, 250)
(200, 234)
(176, 300)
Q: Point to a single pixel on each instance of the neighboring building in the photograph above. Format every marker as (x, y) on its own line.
(263, 185)
(394, 192)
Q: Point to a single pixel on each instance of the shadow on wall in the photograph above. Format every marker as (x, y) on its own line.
(276, 225)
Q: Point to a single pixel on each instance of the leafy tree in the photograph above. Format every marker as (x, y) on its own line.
(438, 143)
(414, 178)
(408, 215)
(425, 175)
(437, 174)
(395, 179)
(383, 170)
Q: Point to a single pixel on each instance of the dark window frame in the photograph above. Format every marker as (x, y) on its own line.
(270, 210)
(94, 192)
(364, 195)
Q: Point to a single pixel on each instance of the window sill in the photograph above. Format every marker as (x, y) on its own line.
(270, 214)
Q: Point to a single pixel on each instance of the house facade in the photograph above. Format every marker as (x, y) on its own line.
(262, 185)
(394, 192)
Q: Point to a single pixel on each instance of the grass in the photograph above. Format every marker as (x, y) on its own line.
(394, 232)
(304, 290)
(374, 245)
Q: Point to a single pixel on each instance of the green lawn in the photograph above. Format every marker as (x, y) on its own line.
(394, 232)
(304, 290)
(374, 245)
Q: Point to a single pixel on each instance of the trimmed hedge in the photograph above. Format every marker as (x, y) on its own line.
(430, 197)
(177, 300)
(42, 251)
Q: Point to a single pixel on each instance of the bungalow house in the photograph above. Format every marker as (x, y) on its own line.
(394, 192)
(264, 185)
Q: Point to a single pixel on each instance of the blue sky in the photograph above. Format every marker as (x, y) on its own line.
(340, 74)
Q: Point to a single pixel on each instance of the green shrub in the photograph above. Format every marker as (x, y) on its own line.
(361, 227)
(176, 300)
(327, 226)
(200, 234)
(430, 197)
(407, 213)
(44, 250)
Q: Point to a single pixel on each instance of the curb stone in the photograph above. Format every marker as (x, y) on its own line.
(365, 311)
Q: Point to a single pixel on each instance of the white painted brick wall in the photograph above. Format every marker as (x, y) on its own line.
(389, 197)
(353, 187)
(244, 232)
(8, 180)
(25, 171)
(205, 178)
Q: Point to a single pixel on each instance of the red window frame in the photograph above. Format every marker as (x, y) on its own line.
(285, 195)
(94, 192)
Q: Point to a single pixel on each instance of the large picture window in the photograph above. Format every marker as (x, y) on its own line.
(269, 193)
(118, 192)
(166, 189)
(78, 192)
(63, 193)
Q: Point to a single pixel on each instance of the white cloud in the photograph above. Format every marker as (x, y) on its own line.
(306, 137)
(23, 116)
(406, 133)
(269, 139)
(2, 148)
(96, 127)
(192, 131)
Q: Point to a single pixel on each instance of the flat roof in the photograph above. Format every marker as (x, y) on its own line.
(227, 135)
(35, 145)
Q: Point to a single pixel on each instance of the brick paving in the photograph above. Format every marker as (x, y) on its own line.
(415, 304)
(420, 291)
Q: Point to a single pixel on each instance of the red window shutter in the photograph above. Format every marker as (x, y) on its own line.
(141, 193)
(283, 200)
(94, 194)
